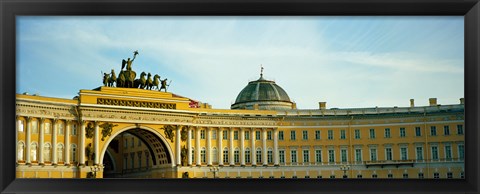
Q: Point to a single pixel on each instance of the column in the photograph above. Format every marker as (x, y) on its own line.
(253, 150)
(41, 139)
(231, 150)
(67, 142)
(189, 146)
(54, 142)
(242, 146)
(264, 148)
(27, 140)
(209, 146)
(275, 147)
(197, 146)
(81, 147)
(96, 143)
(178, 156)
(220, 147)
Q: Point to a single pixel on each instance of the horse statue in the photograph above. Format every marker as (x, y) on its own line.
(149, 82)
(140, 82)
(156, 81)
(112, 79)
(121, 80)
(129, 78)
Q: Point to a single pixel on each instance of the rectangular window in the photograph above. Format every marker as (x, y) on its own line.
(318, 156)
(257, 135)
(461, 151)
(280, 135)
(372, 133)
(20, 126)
(47, 128)
(214, 134)
(306, 156)
(387, 132)
(293, 156)
(418, 131)
(269, 135)
(388, 154)
(446, 130)
(433, 131)
(34, 127)
(202, 134)
(203, 155)
(247, 135)
(373, 154)
(390, 175)
(192, 134)
(460, 129)
(292, 135)
(125, 143)
(358, 155)
(331, 155)
(225, 156)
(405, 175)
(343, 154)
(402, 132)
(74, 129)
(436, 175)
(434, 152)
(305, 135)
(317, 134)
(60, 128)
(403, 153)
(235, 135)
(139, 143)
(225, 134)
(236, 156)
(343, 134)
(374, 176)
(281, 156)
(448, 152)
(420, 175)
(359, 176)
(330, 134)
(132, 143)
(449, 175)
(419, 153)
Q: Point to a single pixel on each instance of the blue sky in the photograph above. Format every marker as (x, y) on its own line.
(347, 61)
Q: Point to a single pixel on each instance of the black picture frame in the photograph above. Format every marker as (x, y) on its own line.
(9, 9)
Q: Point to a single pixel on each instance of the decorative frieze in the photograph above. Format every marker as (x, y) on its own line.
(132, 103)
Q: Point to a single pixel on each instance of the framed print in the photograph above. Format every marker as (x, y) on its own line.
(310, 96)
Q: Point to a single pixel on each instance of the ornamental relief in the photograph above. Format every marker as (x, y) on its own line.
(134, 117)
(43, 113)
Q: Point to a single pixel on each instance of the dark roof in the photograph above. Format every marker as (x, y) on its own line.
(262, 90)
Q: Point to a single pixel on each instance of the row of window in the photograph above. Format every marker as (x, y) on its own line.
(132, 160)
(47, 127)
(236, 155)
(225, 135)
(47, 152)
(373, 153)
(420, 175)
(132, 142)
(372, 133)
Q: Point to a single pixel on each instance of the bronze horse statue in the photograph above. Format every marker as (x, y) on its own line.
(140, 82)
(126, 78)
(156, 81)
(149, 82)
(112, 79)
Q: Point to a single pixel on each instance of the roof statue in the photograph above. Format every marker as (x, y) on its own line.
(126, 78)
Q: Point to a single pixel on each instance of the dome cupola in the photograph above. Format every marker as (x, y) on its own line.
(265, 94)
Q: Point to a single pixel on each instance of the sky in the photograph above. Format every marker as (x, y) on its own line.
(346, 61)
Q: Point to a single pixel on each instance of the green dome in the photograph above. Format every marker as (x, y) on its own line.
(267, 94)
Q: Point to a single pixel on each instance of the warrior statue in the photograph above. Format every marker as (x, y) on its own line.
(106, 77)
(112, 79)
(164, 85)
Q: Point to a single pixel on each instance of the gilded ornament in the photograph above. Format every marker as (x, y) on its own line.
(107, 129)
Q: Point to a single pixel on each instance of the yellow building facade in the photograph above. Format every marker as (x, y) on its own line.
(128, 132)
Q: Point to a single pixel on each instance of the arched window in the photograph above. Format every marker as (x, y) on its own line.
(236, 156)
(33, 151)
(259, 155)
(203, 154)
(21, 151)
(247, 155)
(270, 155)
(59, 152)
(225, 155)
(214, 155)
(46, 152)
(73, 151)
